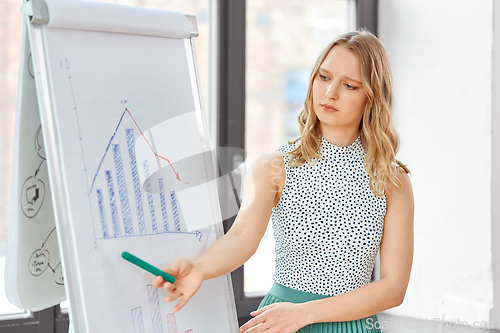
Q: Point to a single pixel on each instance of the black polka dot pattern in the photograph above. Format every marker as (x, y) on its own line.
(328, 224)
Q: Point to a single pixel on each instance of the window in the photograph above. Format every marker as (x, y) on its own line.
(10, 54)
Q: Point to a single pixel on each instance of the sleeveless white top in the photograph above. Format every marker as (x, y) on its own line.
(327, 224)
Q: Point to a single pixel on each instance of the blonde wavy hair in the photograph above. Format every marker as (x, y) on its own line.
(377, 133)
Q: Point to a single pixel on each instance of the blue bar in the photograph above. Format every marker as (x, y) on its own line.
(138, 320)
(154, 304)
(173, 202)
(135, 178)
(112, 204)
(122, 190)
(150, 196)
(102, 213)
(163, 205)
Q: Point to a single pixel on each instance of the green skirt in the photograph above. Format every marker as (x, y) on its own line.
(279, 293)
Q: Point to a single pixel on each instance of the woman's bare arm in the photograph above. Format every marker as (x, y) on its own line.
(261, 191)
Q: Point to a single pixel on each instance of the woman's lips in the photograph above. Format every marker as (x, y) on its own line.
(328, 108)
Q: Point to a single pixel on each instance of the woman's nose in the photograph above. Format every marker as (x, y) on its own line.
(332, 92)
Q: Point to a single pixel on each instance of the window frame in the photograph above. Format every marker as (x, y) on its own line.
(45, 321)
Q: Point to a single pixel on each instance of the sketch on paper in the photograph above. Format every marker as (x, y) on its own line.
(137, 320)
(172, 325)
(40, 261)
(156, 316)
(120, 189)
(33, 190)
(154, 305)
(32, 198)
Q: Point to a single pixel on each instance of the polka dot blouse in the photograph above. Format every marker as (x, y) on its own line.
(328, 224)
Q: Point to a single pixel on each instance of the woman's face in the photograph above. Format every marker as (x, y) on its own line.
(338, 96)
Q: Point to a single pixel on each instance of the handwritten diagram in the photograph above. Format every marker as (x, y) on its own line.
(137, 320)
(40, 261)
(172, 325)
(33, 190)
(124, 199)
(156, 317)
(32, 198)
(154, 305)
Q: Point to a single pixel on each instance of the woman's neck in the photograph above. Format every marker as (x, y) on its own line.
(340, 137)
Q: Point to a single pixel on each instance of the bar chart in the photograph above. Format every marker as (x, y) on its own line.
(121, 189)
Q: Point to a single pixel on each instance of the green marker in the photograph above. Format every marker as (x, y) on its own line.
(150, 268)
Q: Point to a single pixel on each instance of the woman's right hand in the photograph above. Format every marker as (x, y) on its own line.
(188, 279)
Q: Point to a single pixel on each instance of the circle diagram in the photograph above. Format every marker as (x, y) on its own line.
(32, 196)
(39, 262)
(58, 275)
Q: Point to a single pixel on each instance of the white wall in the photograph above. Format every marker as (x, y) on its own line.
(441, 56)
(495, 179)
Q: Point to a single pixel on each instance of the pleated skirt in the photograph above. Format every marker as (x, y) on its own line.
(279, 293)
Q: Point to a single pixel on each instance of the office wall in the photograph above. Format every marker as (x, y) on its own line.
(495, 179)
(441, 56)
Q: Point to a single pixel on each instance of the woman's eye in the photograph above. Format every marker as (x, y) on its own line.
(348, 86)
(322, 77)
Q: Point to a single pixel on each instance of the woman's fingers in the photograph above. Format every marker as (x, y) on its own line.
(158, 282)
(252, 324)
(187, 282)
(262, 310)
(174, 269)
(184, 299)
(169, 286)
(175, 294)
(180, 268)
(257, 328)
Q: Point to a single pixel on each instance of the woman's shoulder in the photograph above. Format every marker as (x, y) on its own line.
(404, 189)
(273, 164)
(286, 148)
(269, 166)
(277, 156)
(268, 161)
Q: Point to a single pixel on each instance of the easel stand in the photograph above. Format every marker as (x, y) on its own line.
(109, 157)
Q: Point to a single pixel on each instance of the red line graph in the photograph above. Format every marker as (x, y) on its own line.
(177, 176)
(151, 147)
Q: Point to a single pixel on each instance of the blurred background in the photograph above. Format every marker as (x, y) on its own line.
(444, 57)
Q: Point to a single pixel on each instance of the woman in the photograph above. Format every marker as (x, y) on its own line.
(336, 195)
